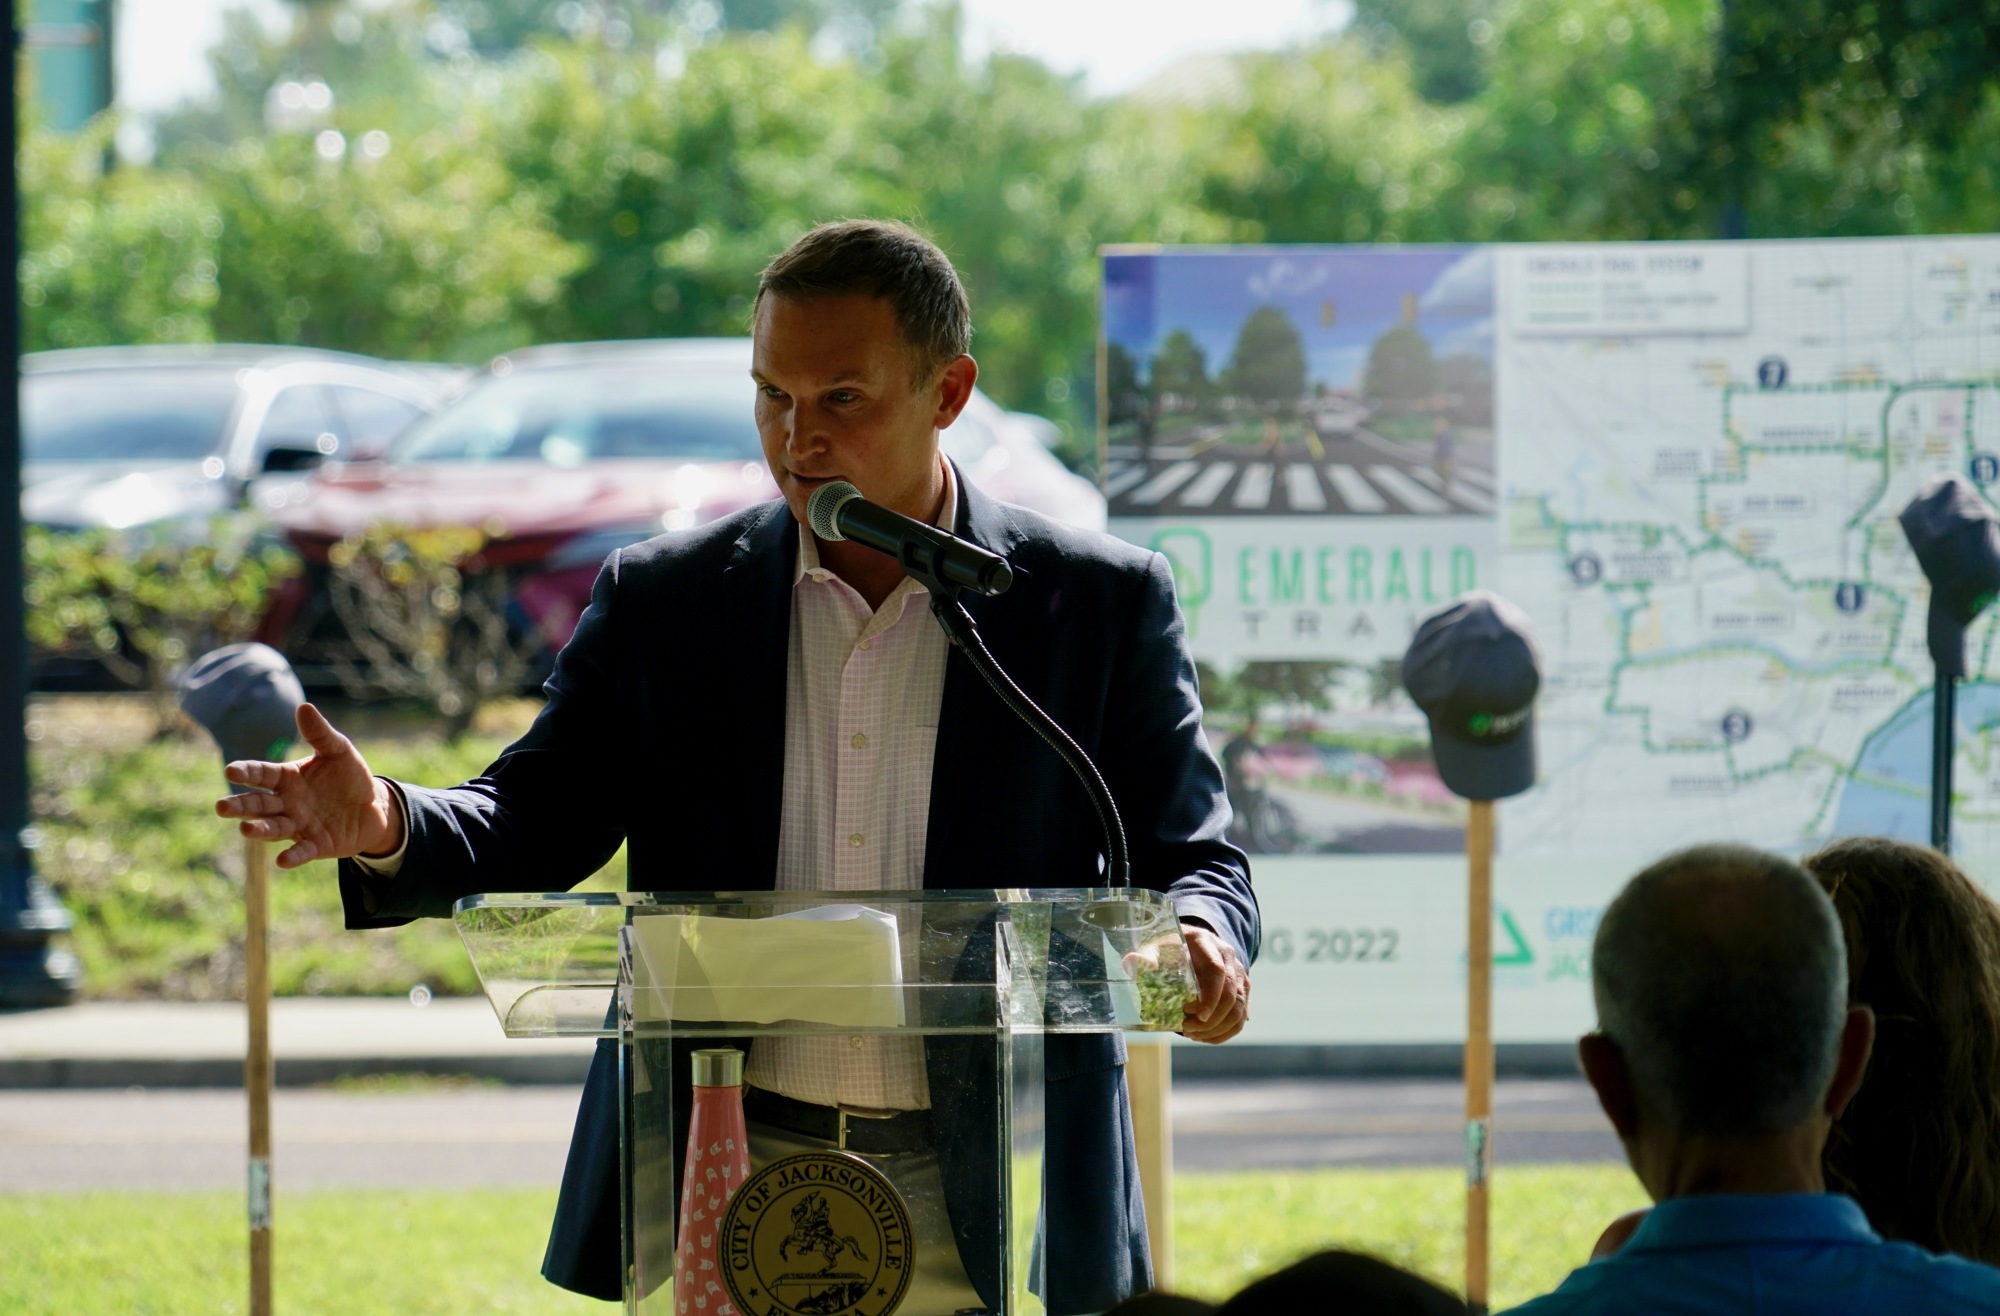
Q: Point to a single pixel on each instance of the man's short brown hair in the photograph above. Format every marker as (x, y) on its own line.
(881, 258)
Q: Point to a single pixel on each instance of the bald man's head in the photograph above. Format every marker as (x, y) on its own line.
(1720, 974)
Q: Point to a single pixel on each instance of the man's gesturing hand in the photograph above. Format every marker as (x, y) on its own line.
(329, 804)
(1222, 1005)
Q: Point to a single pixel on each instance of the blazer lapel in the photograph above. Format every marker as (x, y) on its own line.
(969, 710)
(753, 659)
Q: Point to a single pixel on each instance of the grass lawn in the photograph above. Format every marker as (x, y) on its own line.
(352, 1253)
(1231, 1228)
(347, 1253)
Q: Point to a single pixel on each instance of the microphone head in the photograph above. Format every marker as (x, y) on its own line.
(823, 509)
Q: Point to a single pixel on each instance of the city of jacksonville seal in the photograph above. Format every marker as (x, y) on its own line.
(818, 1234)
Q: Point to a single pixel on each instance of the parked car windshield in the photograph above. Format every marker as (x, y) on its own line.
(173, 413)
(593, 413)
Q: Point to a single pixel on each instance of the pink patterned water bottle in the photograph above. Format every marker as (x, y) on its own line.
(718, 1161)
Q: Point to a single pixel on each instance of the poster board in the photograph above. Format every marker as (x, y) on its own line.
(1682, 460)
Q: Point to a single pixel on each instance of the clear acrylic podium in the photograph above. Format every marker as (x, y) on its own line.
(966, 986)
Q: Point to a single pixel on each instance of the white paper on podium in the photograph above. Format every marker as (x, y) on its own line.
(839, 965)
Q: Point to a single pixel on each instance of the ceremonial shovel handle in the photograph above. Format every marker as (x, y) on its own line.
(257, 1063)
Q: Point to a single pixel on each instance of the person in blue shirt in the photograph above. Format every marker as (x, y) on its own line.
(1724, 1051)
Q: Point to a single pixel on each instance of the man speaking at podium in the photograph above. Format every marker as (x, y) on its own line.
(747, 707)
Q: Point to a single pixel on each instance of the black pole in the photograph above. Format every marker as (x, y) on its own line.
(1942, 736)
(32, 971)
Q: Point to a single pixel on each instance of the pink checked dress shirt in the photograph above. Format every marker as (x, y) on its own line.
(862, 691)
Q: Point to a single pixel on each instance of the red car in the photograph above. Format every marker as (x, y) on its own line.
(562, 454)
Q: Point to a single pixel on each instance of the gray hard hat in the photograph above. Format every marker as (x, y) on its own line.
(247, 697)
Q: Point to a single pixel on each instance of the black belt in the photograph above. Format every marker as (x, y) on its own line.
(871, 1133)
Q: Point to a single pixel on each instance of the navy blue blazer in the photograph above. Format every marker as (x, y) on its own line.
(664, 730)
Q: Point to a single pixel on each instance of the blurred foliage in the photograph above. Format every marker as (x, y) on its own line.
(66, 611)
(1401, 370)
(1583, 131)
(142, 603)
(1178, 378)
(1020, 177)
(1125, 391)
(428, 620)
(1331, 145)
(1443, 40)
(1927, 66)
(1268, 365)
(434, 250)
(124, 256)
(448, 178)
(155, 881)
(679, 190)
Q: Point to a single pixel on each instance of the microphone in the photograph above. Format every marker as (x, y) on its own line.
(938, 560)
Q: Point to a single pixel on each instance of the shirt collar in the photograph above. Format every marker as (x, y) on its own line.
(808, 555)
(1731, 1220)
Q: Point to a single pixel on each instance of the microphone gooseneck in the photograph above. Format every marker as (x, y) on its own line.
(944, 564)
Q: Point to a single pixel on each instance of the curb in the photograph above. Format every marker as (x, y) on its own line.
(1194, 1062)
(303, 1071)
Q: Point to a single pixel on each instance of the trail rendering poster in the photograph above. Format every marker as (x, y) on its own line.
(1683, 460)
(1307, 435)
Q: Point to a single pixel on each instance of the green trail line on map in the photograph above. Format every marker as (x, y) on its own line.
(1734, 469)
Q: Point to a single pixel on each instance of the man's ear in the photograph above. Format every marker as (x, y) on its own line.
(1857, 1042)
(954, 387)
(1604, 1065)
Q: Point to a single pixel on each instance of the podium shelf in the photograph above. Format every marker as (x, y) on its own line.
(836, 962)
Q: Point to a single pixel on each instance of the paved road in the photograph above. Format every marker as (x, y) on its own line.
(195, 1138)
(1359, 474)
(1309, 1122)
(517, 1137)
(1338, 824)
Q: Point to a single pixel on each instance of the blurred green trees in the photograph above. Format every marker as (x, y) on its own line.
(1401, 371)
(1268, 366)
(125, 257)
(1178, 378)
(433, 250)
(445, 179)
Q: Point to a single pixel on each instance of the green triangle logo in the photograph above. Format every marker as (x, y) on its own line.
(1520, 954)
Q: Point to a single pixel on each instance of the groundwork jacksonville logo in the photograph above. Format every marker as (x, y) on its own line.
(818, 1234)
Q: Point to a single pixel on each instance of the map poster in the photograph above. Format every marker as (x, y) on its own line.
(1700, 476)
(1692, 456)
(1308, 435)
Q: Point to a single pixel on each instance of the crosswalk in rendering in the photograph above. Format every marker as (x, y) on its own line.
(1221, 486)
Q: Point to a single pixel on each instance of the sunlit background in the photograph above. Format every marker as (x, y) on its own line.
(441, 181)
(303, 286)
